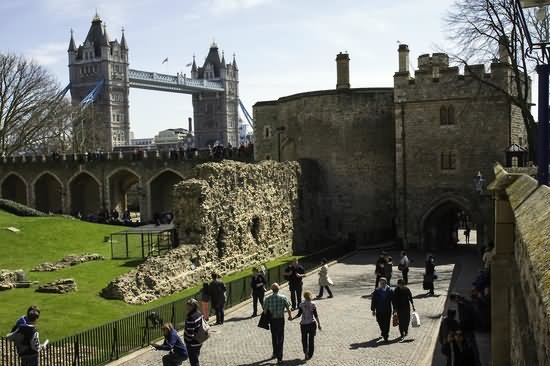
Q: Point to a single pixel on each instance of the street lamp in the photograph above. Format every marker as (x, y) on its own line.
(543, 70)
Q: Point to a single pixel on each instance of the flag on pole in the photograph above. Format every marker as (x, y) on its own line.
(92, 95)
(189, 64)
(165, 60)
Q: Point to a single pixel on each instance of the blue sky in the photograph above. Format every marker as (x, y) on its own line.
(282, 46)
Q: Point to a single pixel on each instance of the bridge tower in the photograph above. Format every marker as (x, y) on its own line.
(103, 63)
(216, 113)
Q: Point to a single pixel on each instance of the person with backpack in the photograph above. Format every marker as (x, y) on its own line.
(24, 318)
(217, 291)
(196, 331)
(257, 283)
(27, 340)
(173, 344)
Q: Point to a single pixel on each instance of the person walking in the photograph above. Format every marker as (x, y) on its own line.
(379, 267)
(467, 233)
(308, 325)
(429, 275)
(27, 339)
(192, 324)
(258, 284)
(275, 305)
(388, 269)
(173, 344)
(216, 291)
(403, 266)
(324, 280)
(402, 302)
(381, 307)
(295, 273)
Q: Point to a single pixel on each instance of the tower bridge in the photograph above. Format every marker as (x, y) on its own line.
(100, 79)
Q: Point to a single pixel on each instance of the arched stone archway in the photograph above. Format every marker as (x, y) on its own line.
(85, 195)
(445, 220)
(48, 193)
(123, 193)
(14, 188)
(161, 190)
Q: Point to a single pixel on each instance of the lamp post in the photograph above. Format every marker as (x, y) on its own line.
(543, 71)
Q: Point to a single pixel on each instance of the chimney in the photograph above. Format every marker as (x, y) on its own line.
(342, 71)
(403, 58)
(190, 125)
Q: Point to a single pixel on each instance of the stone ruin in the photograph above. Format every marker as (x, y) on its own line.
(67, 261)
(62, 286)
(11, 279)
(228, 216)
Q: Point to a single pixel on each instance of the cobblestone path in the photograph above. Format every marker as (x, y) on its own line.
(350, 334)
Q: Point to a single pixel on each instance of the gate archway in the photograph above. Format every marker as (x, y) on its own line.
(48, 193)
(161, 191)
(122, 190)
(85, 194)
(443, 225)
(14, 188)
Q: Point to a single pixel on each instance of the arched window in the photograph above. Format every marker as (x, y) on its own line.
(451, 115)
(443, 116)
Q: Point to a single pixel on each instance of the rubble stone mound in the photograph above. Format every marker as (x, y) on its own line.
(61, 286)
(9, 278)
(67, 261)
(229, 216)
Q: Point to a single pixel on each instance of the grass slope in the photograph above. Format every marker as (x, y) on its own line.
(48, 239)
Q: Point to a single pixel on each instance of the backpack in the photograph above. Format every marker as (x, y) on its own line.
(18, 338)
(202, 332)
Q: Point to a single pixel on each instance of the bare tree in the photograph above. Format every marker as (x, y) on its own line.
(482, 32)
(33, 113)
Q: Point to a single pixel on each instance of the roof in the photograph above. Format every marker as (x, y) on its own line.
(151, 228)
(213, 58)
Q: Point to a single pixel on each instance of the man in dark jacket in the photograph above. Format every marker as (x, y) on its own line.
(379, 267)
(294, 273)
(192, 324)
(217, 297)
(28, 343)
(402, 301)
(381, 306)
(257, 283)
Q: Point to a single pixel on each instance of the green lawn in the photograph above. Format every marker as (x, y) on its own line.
(49, 239)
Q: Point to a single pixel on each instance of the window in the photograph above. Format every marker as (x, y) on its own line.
(447, 115)
(267, 132)
(448, 160)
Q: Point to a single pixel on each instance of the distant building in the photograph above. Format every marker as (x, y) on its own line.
(142, 142)
(173, 138)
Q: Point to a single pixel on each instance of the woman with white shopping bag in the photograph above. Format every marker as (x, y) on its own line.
(402, 301)
(324, 280)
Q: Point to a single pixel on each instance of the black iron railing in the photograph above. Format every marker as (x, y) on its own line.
(109, 342)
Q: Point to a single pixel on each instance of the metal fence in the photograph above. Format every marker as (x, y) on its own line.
(108, 342)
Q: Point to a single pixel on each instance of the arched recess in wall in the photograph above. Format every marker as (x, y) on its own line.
(48, 193)
(85, 194)
(445, 220)
(14, 188)
(161, 188)
(123, 190)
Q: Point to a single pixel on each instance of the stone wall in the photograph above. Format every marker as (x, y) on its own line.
(229, 216)
(520, 273)
(344, 141)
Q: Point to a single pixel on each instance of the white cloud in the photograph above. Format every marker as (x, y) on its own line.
(226, 6)
(49, 54)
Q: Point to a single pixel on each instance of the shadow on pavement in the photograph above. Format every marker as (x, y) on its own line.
(237, 319)
(373, 343)
(271, 361)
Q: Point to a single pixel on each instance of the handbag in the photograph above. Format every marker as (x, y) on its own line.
(415, 320)
(395, 320)
(265, 319)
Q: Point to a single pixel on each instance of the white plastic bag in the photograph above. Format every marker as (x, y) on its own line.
(415, 320)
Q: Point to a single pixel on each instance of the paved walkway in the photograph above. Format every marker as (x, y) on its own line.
(350, 334)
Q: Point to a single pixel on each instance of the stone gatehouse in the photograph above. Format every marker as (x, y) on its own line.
(398, 161)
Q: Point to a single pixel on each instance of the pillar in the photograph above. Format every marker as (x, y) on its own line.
(501, 280)
(403, 58)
